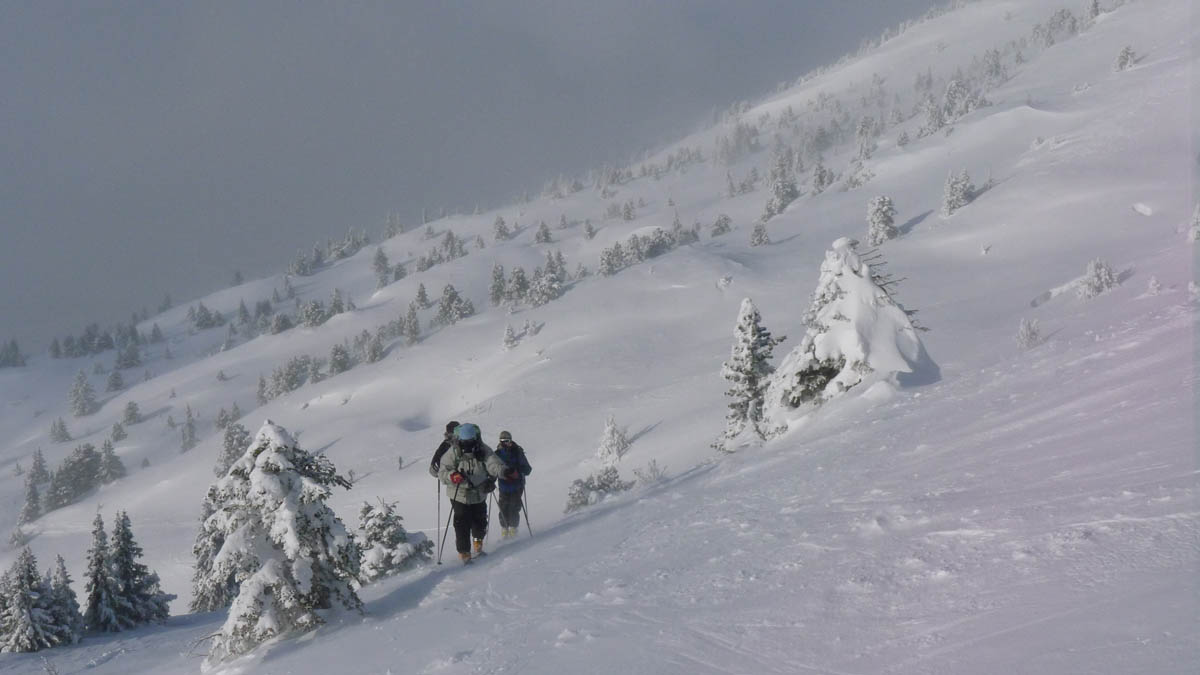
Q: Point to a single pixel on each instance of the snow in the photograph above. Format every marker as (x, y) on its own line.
(1030, 511)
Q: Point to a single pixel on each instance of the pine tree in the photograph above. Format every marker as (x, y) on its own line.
(1125, 60)
(500, 230)
(336, 304)
(412, 326)
(58, 431)
(374, 349)
(759, 236)
(783, 183)
(64, 605)
(398, 272)
(881, 214)
(382, 268)
(292, 554)
(38, 471)
(222, 419)
(262, 394)
(55, 349)
(188, 434)
(612, 259)
(510, 337)
(82, 396)
(234, 445)
(422, 297)
(1029, 334)
(542, 236)
(111, 466)
(28, 621)
(722, 225)
(1099, 278)
(496, 291)
(129, 357)
(518, 286)
(339, 359)
(156, 334)
(748, 371)
(613, 443)
(387, 548)
(118, 433)
(32, 508)
(589, 231)
(138, 597)
(959, 192)
(452, 307)
(100, 587)
(1194, 228)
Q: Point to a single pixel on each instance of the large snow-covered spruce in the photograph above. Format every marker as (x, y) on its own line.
(29, 619)
(748, 371)
(854, 328)
(269, 531)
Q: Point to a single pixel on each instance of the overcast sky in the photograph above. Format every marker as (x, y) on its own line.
(155, 147)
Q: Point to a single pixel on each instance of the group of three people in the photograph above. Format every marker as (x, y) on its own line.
(467, 467)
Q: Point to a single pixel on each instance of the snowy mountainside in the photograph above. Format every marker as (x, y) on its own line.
(1032, 511)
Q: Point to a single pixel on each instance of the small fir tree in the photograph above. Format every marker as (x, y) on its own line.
(500, 230)
(542, 236)
(748, 371)
(1099, 278)
(82, 396)
(759, 236)
(412, 326)
(58, 431)
(233, 446)
(595, 489)
(382, 268)
(100, 586)
(613, 443)
(510, 337)
(111, 466)
(38, 471)
(1125, 60)
(422, 297)
(783, 183)
(32, 509)
(28, 622)
(1029, 334)
(188, 438)
(722, 225)
(63, 601)
(881, 215)
(518, 286)
(132, 414)
(118, 433)
(139, 598)
(387, 548)
(959, 192)
(498, 287)
(115, 381)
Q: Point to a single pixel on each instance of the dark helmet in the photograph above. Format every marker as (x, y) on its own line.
(450, 426)
(505, 436)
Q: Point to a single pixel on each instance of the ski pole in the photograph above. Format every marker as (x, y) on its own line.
(450, 515)
(439, 519)
(525, 508)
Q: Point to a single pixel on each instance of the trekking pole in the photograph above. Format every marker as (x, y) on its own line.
(439, 520)
(525, 508)
(445, 531)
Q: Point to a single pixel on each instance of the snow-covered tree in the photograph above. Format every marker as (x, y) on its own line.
(82, 397)
(64, 605)
(518, 286)
(748, 371)
(387, 548)
(821, 177)
(500, 229)
(589, 230)
(759, 236)
(373, 351)
(903, 139)
(1125, 60)
(118, 432)
(1098, 279)
(111, 467)
(129, 357)
(510, 337)
(722, 225)
(881, 215)
(339, 359)
(188, 438)
(234, 445)
(287, 551)
(545, 288)
(58, 431)
(1153, 286)
(959, 192)
(32, 508)
(28, 622)
(452, 307)
(412, 326)
(612, 259)
(422, 299)
(138, 598)
(382, 268)
(854, 328)
(542, 236)
(38, 471)
(1029, 334)
(77, 475)
(100, 586)
(613, 443)
(782, 183)
(595, 489)
(496, 290)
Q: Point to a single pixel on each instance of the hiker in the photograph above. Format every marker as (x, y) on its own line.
(512, 484)
(466, 469)
(441, 449)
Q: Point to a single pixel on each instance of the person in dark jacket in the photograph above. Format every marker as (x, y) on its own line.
(441, 449)
(512, 484)
(465, 470)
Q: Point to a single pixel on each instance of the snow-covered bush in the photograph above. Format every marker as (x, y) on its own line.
(595, 489)
(1125, 60)
(1098, 278)
(386, 547)
(759, 236)
(651, 474)
(722, 225)
(881, 215)
(854, 328)
(613, 443)
(1029, 334)
(268, 531)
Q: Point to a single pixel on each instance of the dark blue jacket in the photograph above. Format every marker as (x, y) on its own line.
(513, 456)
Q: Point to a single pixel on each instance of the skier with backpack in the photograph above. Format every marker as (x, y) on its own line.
(469, 469)
(442, 448)
(512, 484)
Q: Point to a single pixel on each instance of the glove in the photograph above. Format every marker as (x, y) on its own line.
(513, 474)
(456, 478)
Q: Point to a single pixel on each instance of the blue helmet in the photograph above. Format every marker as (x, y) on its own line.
(466, 432)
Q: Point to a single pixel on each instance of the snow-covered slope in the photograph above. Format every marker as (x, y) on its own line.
(1031, 511)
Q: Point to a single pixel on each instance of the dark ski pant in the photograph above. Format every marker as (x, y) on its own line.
(469, 519)
(510, 508)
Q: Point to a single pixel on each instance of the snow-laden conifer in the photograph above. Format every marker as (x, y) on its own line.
(38, 471)
(959, 191)
(1029, 334)
(542, 236)
(422, 298)
(1125, 60)
(1193, 234)
(339, 359)
(412, 325)
(115, 381)
(881, 215)
(33, 502)
(382, 268)
(1099, 278)
(854, 328)
(782, 183)
(28, 622)
(111, 468)
(82, 397)
(747, 370)
(118, 433)
(387, 548)
(614, 442)
(188, 439)
(518, 286)
(595, 488)
(452, 307)
(498, 287)
(235, 441)
(722, 225)
(500, 230)
(102, 594)
(64, 605)
(510, 337)
(612, 259)
(759, 236)
(279, 541)
(138, 598)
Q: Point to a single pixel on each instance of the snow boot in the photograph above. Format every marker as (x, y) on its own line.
(478, 548)
(465, 557)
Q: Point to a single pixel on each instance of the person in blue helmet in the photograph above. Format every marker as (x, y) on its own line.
(468, 465)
